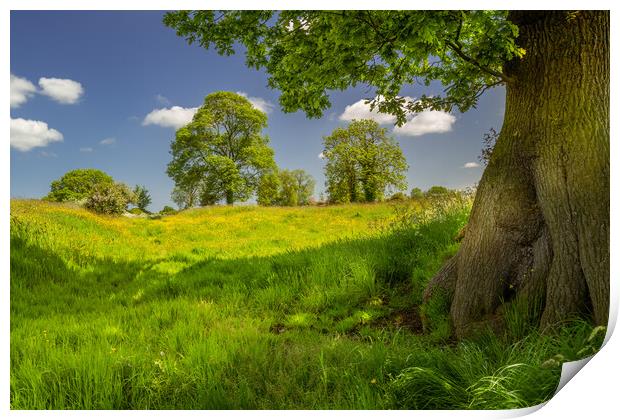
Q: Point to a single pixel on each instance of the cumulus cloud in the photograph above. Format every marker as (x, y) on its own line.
(360, 110)
(175, 117)
(108, 141)
(469, 165)
(21, 90)
(258, 103)
(64, 91)
(427, 122)
(28, 134)
(86, 149)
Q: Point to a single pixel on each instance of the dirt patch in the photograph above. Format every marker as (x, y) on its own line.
(408, 319)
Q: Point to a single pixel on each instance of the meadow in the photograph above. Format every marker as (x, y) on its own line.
(258, 308)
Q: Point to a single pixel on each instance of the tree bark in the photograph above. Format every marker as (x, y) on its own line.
(539, 226)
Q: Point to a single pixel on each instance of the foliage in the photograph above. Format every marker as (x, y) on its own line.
(222, 308)
(398, 196)
(436, 191)
(167, 210)
(269, 186)
(222, 150)
(185, 195)
(304, 186)
(309, 53)
(110, 198)
(137, 211)
(285, 188)
(77, 184)
(142, 197)
(416, 193)
(362, 162)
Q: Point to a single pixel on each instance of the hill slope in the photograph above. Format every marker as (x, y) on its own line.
(248, 307)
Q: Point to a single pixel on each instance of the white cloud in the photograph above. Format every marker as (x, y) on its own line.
(108, 141)
(86, 149)
(64, 91)
(470, 165)
(175, 117)
(28, 134)
(21, 90)
(162, 99)
(360, 110)
(258, 103)
(427, 122)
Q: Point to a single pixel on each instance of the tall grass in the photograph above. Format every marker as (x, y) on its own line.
(253, 308)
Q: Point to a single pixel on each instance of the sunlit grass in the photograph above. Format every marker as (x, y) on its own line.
(245, 307)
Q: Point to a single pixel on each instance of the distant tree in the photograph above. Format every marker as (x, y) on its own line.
(142, 197)
(167, 210)
(285, 188)
(186, 196)
(304, 184)
(398, 196)
(288, 189)
(110, 198)
(222, 149)
(362, 162)
(436, 191)
(269, 186)
(77, 184)
(416, 193)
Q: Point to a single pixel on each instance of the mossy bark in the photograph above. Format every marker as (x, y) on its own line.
(539, 227)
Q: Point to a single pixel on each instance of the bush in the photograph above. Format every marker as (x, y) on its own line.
(399, 196)
(167, 210)
(77, 185)
(109, 199)
(137, 211)
(417, 193)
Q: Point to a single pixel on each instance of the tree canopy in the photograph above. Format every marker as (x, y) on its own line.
(309, 53)
(222, 149)
(286, 188)
(77, 184)
(362, 161)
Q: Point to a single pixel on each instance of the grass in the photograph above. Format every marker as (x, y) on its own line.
(249, 307)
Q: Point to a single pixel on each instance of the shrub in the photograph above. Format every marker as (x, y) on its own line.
(398, 196)
(137, 210)
(167, 210)
(417, 193)
(77, 185)
(109, 199)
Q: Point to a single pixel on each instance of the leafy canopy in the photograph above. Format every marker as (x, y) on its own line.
(77, 184)
(222, 149)
(286, 188)
(142, 197)
(362, 162)
(308, 53)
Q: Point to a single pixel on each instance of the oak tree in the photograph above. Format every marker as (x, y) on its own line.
(222, 149)
(539, 227)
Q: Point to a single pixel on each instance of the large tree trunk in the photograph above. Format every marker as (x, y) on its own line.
(539, 227)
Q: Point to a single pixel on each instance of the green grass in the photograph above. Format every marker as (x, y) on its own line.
(249, 307)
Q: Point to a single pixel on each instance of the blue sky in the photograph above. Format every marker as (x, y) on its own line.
(94, 77)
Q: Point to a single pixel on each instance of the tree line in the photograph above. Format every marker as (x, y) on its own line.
(222, 155)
